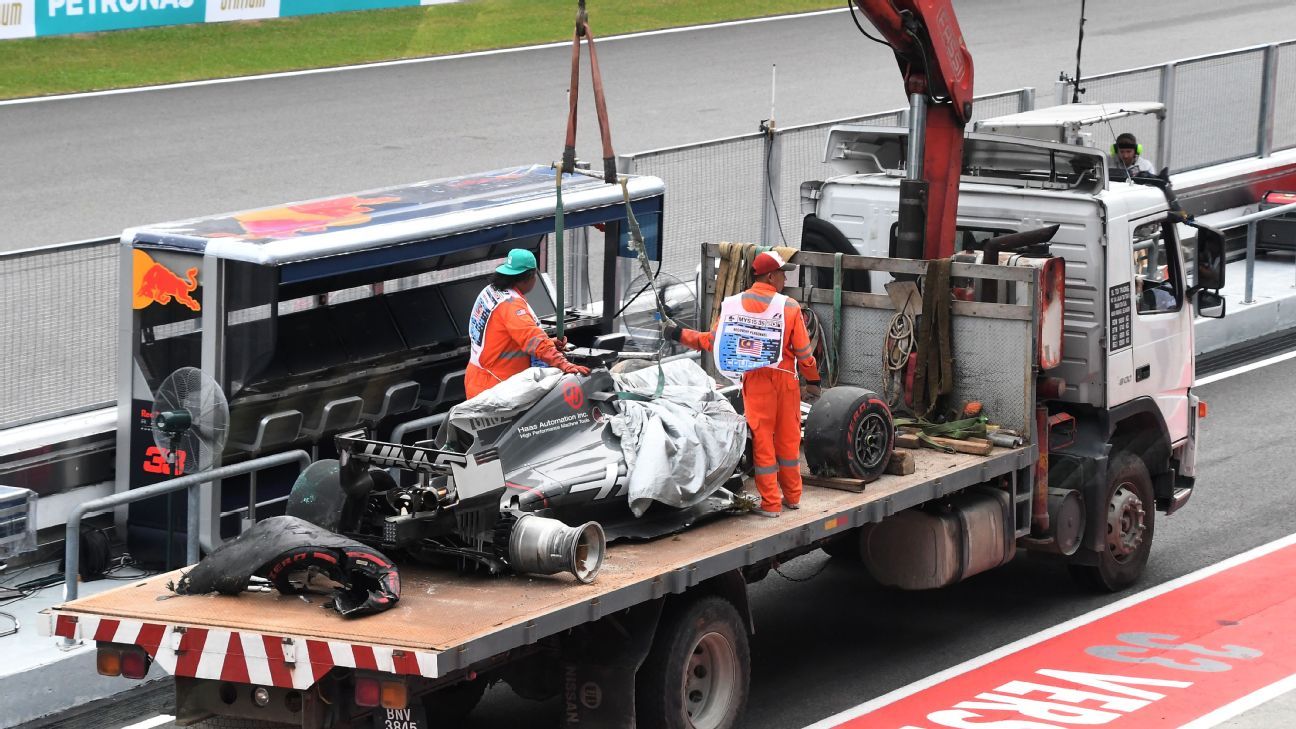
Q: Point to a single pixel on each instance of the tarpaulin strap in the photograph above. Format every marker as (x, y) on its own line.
(600, 103)
(934, 372)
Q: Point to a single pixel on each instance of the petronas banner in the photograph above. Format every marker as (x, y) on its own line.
(28, 18)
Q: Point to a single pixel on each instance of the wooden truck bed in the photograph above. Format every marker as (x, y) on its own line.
(451, 620)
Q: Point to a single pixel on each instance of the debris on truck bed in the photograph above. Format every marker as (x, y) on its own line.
(298, 557)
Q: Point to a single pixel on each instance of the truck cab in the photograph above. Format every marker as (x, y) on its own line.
(1133, 283)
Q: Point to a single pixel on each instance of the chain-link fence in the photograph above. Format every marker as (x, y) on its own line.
(1219, 108)
(60, 320)
(60, 303)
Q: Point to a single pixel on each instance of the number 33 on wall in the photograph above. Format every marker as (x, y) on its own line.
(155, 461)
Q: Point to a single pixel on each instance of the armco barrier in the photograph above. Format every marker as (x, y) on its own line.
(28, 18)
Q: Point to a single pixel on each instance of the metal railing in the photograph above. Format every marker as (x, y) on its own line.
(1250, 221)
(1194, 133)
(193, 482)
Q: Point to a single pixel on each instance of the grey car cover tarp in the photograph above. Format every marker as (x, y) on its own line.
(679, 447)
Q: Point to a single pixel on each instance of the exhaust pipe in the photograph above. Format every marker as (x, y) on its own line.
(544, 546)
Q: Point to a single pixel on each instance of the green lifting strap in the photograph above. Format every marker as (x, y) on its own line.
(559, 225)
(835, 352)
(636, 397)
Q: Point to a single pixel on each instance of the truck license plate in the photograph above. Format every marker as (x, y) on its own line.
(411, 718)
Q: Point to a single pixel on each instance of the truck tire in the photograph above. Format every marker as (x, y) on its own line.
(1130, 514)
(450, 706)
(696, 674)
(844, 547)
(849, 433)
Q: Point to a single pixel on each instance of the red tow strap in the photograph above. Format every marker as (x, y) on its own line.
(600, 104)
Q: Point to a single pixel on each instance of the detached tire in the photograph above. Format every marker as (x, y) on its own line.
(1130, 516)
(696, 675)
(849, 433)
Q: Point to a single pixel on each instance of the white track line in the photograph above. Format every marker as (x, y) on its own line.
(407, 61)
(1245, 368)
(150, 723)
(1242, 705)
(1057, 630)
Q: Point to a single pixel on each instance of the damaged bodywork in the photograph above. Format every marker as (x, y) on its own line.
(296, 557)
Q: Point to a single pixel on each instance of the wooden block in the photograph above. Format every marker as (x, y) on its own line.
(907, 440)
(974, 446)
(901, 463)
(854, 485)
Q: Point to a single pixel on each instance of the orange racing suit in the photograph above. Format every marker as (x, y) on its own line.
(513, 338)
(772, 400)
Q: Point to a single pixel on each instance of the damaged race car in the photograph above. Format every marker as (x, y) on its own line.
(537, 474)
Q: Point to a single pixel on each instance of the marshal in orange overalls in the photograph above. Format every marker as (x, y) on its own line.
(772, 400)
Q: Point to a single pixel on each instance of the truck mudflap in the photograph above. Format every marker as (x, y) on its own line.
(290, 552)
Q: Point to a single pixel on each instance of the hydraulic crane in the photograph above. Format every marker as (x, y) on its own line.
(937, 70)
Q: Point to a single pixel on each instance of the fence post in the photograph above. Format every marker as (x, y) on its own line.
(1165, 125)
(771, 226)
(1060, 89)
(1026, 99)
(1248, 297)
(1268, 99)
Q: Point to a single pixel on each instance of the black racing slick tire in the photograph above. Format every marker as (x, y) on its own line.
(696, 674)
(849, 433)
(1129, 510)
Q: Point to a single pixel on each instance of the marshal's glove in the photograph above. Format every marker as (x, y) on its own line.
(671, 330)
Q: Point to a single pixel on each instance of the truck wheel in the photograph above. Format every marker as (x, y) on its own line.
(849, 432)
(695, 676)
(450, 706)
(844, 547)
(1130, 517)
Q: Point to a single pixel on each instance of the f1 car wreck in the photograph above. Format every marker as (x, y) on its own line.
(533, 476)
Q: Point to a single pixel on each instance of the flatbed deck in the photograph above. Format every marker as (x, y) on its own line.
(446, 621)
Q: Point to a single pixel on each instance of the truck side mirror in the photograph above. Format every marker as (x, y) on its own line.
(1209, 305)
(1210, 258)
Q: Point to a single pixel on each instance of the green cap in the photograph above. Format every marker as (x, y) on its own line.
(519, 261)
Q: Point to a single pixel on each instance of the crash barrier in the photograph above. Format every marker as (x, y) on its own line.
(192, 482)
(60, 323)
(719, 190)
(1220, 107)
(29, 18)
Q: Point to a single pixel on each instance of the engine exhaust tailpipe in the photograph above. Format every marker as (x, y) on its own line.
(545, 546)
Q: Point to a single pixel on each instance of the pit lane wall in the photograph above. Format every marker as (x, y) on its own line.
(30, 18)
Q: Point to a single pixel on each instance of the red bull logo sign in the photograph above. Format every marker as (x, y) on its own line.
(154, 283)
(313, 217)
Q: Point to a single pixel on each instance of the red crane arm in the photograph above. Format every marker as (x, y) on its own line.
(935, 62)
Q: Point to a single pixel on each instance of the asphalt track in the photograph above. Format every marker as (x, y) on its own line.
(88, 167)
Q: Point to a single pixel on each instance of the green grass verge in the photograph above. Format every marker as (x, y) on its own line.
(64, 64)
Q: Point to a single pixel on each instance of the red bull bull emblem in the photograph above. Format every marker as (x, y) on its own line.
(154, 283)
